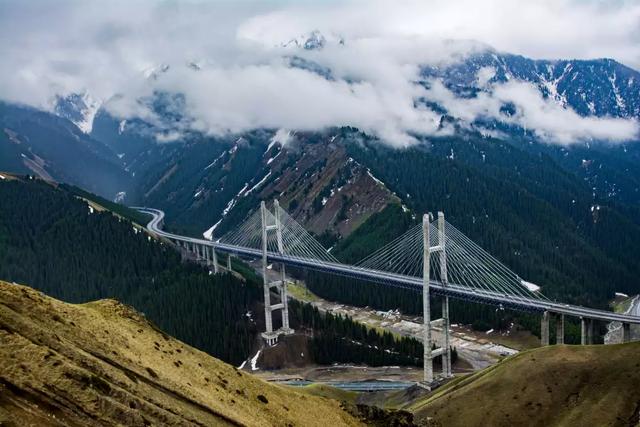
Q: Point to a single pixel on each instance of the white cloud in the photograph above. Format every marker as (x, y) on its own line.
(545, 117)
(71, 46)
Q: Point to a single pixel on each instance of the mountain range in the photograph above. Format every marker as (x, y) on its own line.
(545, 209)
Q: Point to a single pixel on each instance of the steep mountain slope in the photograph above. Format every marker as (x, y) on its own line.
(546, 210)
(598, 87)
(103, 363)
(313, 177)
(45, 145)
(203, 182)
(522, 208)
(548, 386)
(78, 252)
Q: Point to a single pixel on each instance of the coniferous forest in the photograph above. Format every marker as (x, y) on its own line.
(340, 339)
(54, 241)
(50, 240)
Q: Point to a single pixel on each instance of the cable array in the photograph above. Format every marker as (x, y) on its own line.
(299, 243)
(471, 266)
(296, 241)
(467, 264)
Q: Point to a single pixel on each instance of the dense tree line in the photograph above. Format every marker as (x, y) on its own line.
(53, 241)
(340, 339)
(381, 227)
(50, 240)
(540, 220)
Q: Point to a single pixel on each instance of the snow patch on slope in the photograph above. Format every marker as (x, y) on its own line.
(282, 137)
(375, 179)
(530, 286)
(258, 184)
(215, 161)
(254, 361)
(208, 234)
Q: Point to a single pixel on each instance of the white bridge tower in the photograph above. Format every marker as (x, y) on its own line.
(445, 349)
(271, 336)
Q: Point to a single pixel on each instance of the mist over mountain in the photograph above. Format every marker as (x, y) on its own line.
(308, 69)
(349, 120)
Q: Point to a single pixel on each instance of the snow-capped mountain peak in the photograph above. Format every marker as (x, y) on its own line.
(314, 40)
(80, 109)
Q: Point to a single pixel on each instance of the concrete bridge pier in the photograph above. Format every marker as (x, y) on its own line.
(560, 329)
(229, 262)
(271, 336)
(586, 331)
(181, 249)
(626, 332)
(444, 278)
(426, 307)
(207, 255)
(544, 329)
(214, 259)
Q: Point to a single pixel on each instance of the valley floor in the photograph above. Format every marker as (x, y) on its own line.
(476, 350)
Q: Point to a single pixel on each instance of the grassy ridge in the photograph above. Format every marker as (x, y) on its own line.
(104, 363)
(555, 385)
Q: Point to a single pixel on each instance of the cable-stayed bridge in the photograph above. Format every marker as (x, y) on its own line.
(457, 268)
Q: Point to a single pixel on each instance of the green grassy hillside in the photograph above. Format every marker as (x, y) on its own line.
(103, 363)
(548, 386)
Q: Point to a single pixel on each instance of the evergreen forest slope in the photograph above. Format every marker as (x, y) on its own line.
(60, 245)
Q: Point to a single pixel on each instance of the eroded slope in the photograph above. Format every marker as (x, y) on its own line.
(102, 363)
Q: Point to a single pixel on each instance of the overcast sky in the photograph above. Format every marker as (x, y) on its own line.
(50, 48)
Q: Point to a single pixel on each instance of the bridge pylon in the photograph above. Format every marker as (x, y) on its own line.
(426, 304)
(445, 349)
(446, 327)
(271, 336)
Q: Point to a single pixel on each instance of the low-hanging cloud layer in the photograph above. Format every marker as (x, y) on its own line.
(374, 50)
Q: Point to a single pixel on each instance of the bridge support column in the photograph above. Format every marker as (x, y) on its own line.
(560, 329)
(182, 249)
(426, 308)
(268, 334)
(271, 336)
(446, 357)
(284, 297)
(626, 332)
(229, 263)
(214, 259)
(544, 329)
(586, 336)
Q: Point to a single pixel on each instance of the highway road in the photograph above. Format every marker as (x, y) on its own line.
(396, 280)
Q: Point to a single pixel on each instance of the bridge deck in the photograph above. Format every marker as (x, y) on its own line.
(408, 282)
